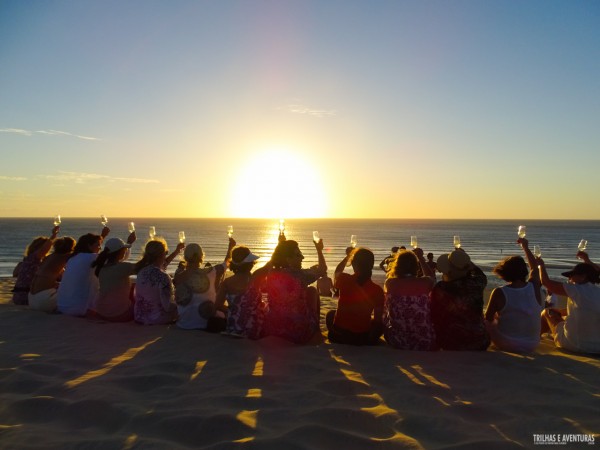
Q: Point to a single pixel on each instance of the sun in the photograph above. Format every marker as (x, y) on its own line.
(278, 183)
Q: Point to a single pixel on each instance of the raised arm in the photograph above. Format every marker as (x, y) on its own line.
(423, 262)
(176, 252)
(586, 259)
(45, 248)
(322, 263)
(342, 264)
(554, 286)
(534, 274)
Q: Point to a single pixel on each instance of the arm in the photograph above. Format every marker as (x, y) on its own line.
(322, 263)
(496, 304)
(554, 286)
(586, 259)
(105, 232)
(45, 248)
(340, 268)
(423, 262)
(176, 252)
(534, 274)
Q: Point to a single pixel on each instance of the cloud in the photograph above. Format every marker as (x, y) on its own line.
(83, 178)
(3, 177)
(47, 132)
(297, 108)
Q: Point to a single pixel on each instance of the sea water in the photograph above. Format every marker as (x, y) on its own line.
(486, 241)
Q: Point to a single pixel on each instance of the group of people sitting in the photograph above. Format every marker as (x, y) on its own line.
(412, 311)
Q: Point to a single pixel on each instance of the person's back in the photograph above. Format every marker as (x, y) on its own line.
(406, 315)
(519, 321)
(114, 295)
(193, 288)
(79, 286)
(154, 297)
(582, 325)
(457, 304)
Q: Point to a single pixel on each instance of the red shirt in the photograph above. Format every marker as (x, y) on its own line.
(356, 303)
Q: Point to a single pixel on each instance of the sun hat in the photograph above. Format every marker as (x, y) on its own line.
(115, 244)
(583, 269)
(455, 264)
(242, 255)
(193, 251)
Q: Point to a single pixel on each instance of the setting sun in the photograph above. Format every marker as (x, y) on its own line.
(278, 183)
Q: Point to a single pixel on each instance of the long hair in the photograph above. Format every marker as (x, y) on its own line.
(106, 257)
(283, 251)
(405, 263)
(35, 245)
(64, 245)
(154, 249)
(85, 242)
(512, 268)
(362, 263)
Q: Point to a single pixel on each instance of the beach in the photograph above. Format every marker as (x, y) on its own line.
(79, 383)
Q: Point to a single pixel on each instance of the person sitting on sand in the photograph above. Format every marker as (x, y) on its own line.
(385, 262)
(325, 286)
(513, 312)
(293, 306)
(114, 302)
(457, 304)
(42, 296)
(579, 331)
(407, 310)
(154, 292)
(79, 285)
(24, 272)
(233, 287)
(357, 319)
(196, 291)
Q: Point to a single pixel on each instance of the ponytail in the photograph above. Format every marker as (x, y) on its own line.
(100, 261)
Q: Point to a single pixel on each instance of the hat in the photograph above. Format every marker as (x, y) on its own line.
(115, 244)
(193, 251)
(395, 249)
(454, 265)
(583, 269)
(242, 255)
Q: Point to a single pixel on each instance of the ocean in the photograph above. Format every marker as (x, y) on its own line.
(486, 241)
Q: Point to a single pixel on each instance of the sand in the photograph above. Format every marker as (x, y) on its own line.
(76, 383)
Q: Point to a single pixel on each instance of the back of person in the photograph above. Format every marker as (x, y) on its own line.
(407, 316)
(115, 289)
(288, 315)
(519, 321)
(581, 331)
(27, 270)
(193, 291)
(356, 303)
(154, 297)
(78, 289)
(457, 314)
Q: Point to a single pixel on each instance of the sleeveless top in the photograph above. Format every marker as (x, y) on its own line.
(519, 321)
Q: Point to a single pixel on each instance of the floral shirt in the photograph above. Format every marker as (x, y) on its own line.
(154, 297)
(407, 322)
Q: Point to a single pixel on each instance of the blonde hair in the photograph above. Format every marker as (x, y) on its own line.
(153, 251)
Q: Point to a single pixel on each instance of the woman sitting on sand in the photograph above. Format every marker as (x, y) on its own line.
(513, 312)
(42, 296)
(196, 291)
(79, 286)
(293, 311)
(579, 331)
(357, 319)
(407, 309)
(114, 295)
(232, 288)
(457, 304)
(154, 291)
(35, 253)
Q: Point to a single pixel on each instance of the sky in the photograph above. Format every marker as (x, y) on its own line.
(300, 108)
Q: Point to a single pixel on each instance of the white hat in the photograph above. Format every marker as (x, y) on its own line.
(115, 244)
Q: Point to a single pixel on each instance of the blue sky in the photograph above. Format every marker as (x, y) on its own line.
(432, 109)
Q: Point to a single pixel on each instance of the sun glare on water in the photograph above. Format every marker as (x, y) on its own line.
(278, 184)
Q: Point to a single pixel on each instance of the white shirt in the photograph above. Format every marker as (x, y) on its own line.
(79, 286)
(580, 331)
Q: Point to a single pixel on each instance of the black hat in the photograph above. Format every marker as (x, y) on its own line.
(583, 269)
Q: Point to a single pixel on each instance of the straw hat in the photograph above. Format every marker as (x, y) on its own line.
(454, 265)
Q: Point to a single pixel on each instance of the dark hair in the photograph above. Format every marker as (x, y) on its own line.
(362, 262)
(35, 245)
(238, 254)
(64, 245)
(85, 242)
(512, 268)
(405, 263)
(153, 250)
(105, 256)
(285, 249)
